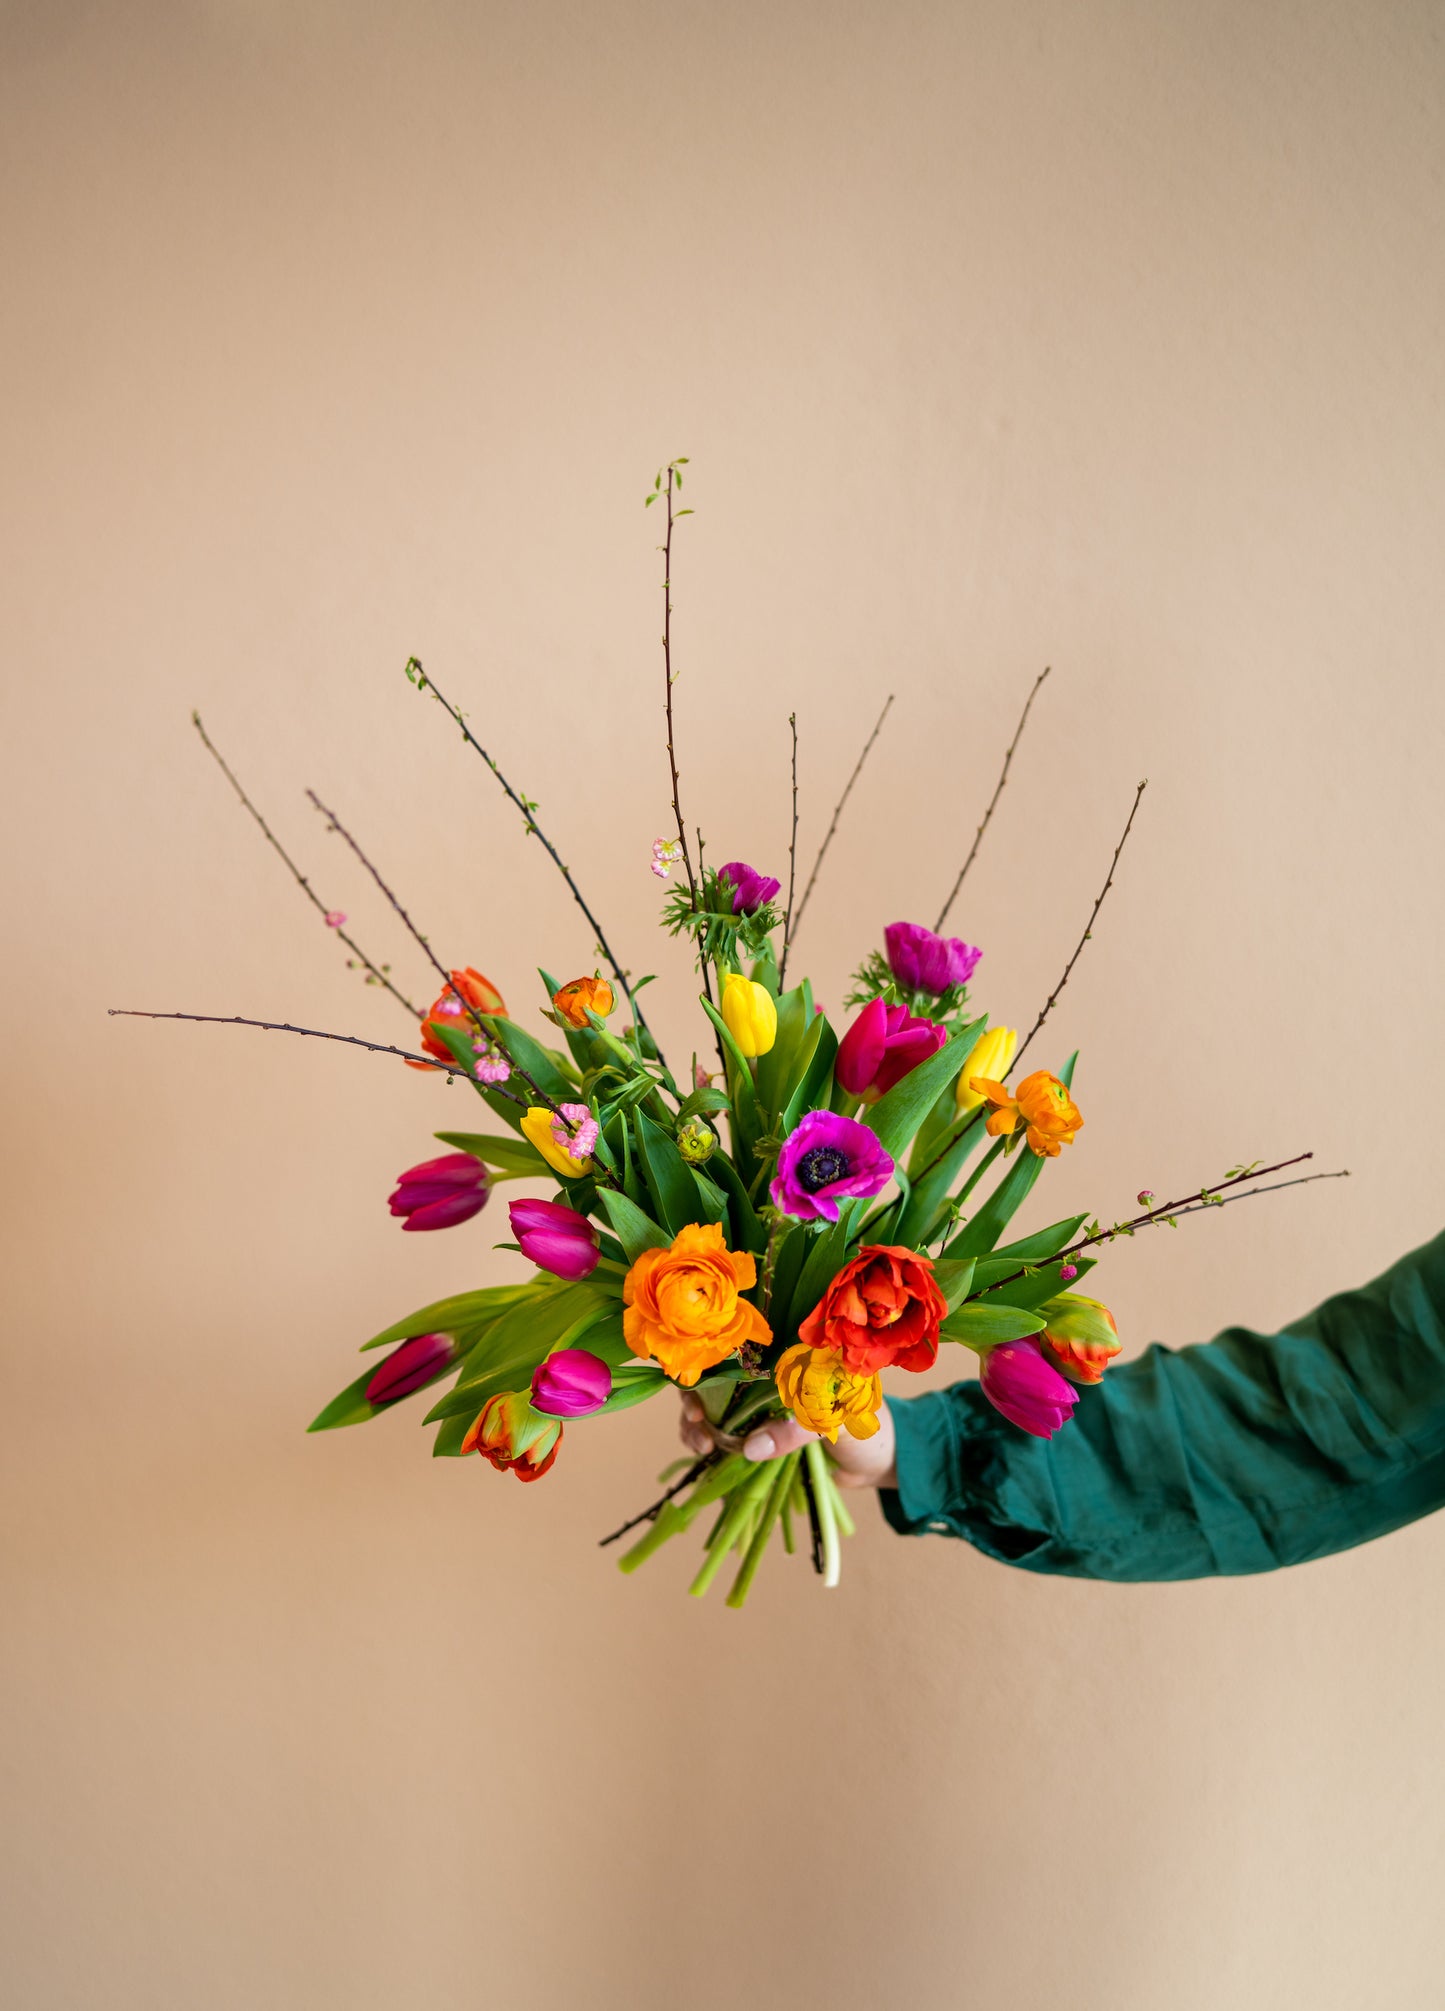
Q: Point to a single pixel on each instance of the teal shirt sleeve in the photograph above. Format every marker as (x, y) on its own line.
(1245, 1453)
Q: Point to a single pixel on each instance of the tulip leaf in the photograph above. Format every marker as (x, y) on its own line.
(633, 1386)
(1044, 1243)
(449, 1435)
(787, 1269)
(516, 1156)
(636, 1231)
(982, 1230)
(518, 1046)
(462, 1310)
(825, 1259)
(748, 1232)
(954, 1278)
(710, 1199)
(894, 1118)
(812, 1090)
(747, 1125)
(975, 1325)
(668, 1175)
(776, 1068)
(1035, 1290)
(931, 1185)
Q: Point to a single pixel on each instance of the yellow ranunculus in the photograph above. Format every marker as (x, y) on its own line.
(537, 1127)
(749, 1014)
(823, 1395)
(992, 1056)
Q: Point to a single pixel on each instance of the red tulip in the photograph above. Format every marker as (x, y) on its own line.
(440, 1192)
(408, 1367)
(883, 1045)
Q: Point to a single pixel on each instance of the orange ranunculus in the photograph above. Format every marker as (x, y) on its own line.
(513, 1436)
(1043, 1104)
(684, 1307)
(823, 1393)
(479, 992)
(583, 995)
(881, 1311)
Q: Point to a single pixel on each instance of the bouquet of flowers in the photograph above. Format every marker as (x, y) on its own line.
(776, 1228)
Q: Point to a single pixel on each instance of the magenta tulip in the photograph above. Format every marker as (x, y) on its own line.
(441, 1192)
(571, 1383)
(883, 1045)
(1028, 1390)
(415, 1362)
(555, 1238)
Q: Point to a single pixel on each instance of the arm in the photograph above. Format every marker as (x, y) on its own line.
(1249, 1452)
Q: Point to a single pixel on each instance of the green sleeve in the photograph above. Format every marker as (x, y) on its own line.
(1251, 1451)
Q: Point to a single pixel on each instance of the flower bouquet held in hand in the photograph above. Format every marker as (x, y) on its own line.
(820, 1206)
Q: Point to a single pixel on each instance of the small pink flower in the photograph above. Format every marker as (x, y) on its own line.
(334, 918)
(575, 1130)
(1067, 1271)
(700, 1077)
(491, 1065)
(1145, 1197)
(665, 854)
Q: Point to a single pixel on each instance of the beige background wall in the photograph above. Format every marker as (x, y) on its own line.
(1104, 335)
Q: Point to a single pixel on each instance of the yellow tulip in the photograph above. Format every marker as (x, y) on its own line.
(991, 1055)
(749, 1014)
(537, 1126)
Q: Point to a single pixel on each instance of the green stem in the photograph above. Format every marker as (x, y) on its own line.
(740, 1506)
(676, 1516)
(846, 1524)
(777, 1495)
(823, 1500)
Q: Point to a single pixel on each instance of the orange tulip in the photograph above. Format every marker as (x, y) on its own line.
(583, 995)
(479, 992)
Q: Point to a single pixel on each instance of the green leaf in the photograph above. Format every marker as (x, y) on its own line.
(827, 1256)
(816, 1058)
(1044, 1243)
(983, 1229)
(668, 1175)
(711, 1200)
(449, 1435)
(748, 1232)
(354, 1407)
(787, 1269)
(518, 1045)
(746, 1119)
(930, 1190)
(776, 1067)
(954, 1279)
(462, 1310)
(634, 1386)
(895, 1117)
(636, 1231)
(516, 1156)
(515, 1345)
(977, 1325)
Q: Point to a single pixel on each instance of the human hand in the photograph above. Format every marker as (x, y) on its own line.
(857, 1462)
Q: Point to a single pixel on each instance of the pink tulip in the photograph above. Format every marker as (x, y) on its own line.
(415, 1362)
(883, 1044)
(440, 1192)
(1028, 1390)
(571, 1383)
(555, 1238)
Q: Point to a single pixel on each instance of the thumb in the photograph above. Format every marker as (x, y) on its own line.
(777, 1437)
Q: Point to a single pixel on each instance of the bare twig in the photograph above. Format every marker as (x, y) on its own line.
(674, 482)
(650, 1514)
(1190, 1204)
(1094, 916)
(792, 857)
(376, 970)
(992, 801)
(315, 1033)
(838, 811)
(488, 1033)
(424, 682)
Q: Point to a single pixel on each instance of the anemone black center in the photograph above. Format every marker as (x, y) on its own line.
(821, 1167)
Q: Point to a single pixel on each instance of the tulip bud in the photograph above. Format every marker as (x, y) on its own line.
(696, 1141)
(555, 1238)
(408, 1367)
(571, 1383)
(991, 1056)
(1080, 1336)
(440, 1192)
(1028, 1391)
(583, 995)
(509, 1433)
(749, 1014)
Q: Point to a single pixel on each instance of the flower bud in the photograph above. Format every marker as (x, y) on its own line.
(440, 1192)
(883, 1045)
(749, 1014)
(509, 1433)
(583, 995)
(750, 889)
(555, 1238)
(696, 1141)
(571, 1383)
(991, 1057)
(1080, 1336)
(924, 962)
(1026, 1389)
(408, 1367)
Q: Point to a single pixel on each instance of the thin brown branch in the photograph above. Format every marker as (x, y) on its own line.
(1093, 917)
(488, 1033)
(315, 1033)
(792, 858)
(424, 683)
(674, 481)
(992, 801)
(377, 971)
(838, 811)
(650, 1514)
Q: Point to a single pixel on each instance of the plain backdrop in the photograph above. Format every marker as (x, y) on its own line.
(1100, 335)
